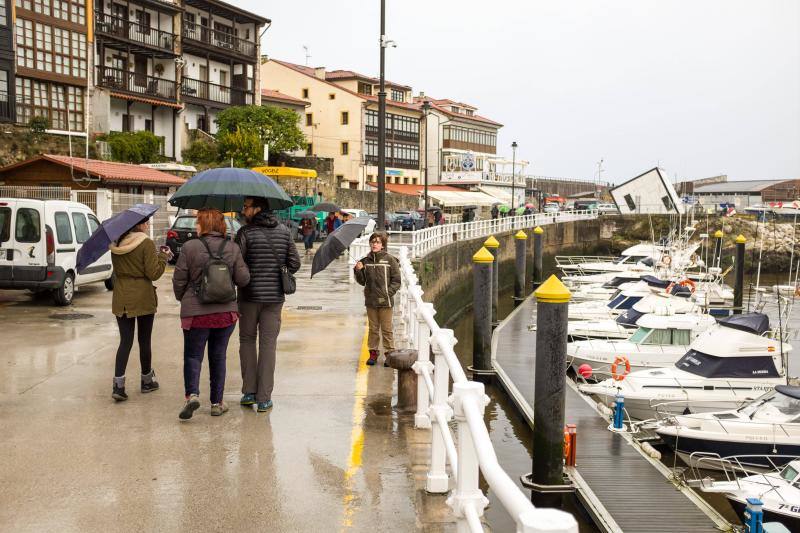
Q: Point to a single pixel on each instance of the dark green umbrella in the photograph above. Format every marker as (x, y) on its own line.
(226, 189)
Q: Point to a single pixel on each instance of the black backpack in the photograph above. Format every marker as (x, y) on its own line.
(216, 284)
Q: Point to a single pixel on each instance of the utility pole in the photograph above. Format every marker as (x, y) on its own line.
(426, 109)
(382, 125)
(513, 174)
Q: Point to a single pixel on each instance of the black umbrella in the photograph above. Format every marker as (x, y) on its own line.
(307, 214)
(337, 242)
(327, 207)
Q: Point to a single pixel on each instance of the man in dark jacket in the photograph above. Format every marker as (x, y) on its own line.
(495, 212)
(379, 273)
(266, 247)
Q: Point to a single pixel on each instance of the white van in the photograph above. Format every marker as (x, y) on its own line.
(39, 243)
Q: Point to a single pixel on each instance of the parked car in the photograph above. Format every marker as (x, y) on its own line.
(39, 243)
(392, 221)
(410, 220)
(608, 209)
(357, 213)
(551, 207)
(183, 229)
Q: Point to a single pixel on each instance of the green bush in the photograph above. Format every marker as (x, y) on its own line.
(134, 147)
(201, 152)
(38, 127)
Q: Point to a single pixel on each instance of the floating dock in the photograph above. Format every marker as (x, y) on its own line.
(621, 487)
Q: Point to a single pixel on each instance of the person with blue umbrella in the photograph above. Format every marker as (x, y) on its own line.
(137, 265)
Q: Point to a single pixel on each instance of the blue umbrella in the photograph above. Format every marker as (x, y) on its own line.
(226, 189)
(111, 230)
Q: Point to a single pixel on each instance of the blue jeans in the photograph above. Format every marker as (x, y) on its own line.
(194, 344)
(308, 240)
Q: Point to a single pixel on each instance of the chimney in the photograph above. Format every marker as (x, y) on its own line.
(319, 72)
(421, 94)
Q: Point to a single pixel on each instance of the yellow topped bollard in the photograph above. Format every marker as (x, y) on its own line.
(482, 266)
(738, 284)
(538, 251)
(718, 234)
(493, 245)
(740, 239)
(552, 291)
(717, 259)
(520, 245)
(538, 230)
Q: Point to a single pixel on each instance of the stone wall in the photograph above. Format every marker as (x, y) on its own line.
(368, 200)
(17, 144)
(326, 183)
(446, 274)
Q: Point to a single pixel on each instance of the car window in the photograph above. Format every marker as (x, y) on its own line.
(81, 227)
(184, 223)
(5, 224)
(28, 226)
(93, 223)
(63, 228)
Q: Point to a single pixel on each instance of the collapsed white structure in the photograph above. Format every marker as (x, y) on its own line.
(648, 193)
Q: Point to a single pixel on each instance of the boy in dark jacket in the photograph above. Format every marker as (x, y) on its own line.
(379, 273)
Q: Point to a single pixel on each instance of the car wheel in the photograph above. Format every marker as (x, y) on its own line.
(63, 295)
(109, 283)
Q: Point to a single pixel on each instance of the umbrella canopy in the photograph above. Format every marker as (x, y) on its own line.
(109, 231)
(520, 210)
(337, 242)
(226, 189)
(307, 214)
(434, 208)
(327, 207)
(530, 206)
(504, 209)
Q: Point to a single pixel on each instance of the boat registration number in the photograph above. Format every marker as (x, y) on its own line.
(790, 508)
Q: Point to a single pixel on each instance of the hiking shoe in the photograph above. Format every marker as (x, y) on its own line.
(217, 409)
(263, 407)
(248, 399)
(192, 404)
(118, 393)
(149, 383)
(373, 357)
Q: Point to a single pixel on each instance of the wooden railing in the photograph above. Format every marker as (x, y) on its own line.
(133, 31)
(113, 78)
(218, 39)
(216, 93)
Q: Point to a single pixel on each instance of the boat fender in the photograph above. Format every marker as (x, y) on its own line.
(615, 367)
(652, 452)
(604, 409)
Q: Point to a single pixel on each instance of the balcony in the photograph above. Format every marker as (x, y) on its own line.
(393, 162)
(131, 82)
(212, 92)
(391, 134)
(218, 40)
(6, 109)
(133, 32)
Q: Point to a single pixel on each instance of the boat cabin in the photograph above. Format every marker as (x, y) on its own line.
(781, 406)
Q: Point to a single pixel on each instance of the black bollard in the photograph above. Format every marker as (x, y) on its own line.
(493, 246)
(717, 260)
(538, 237)
(738, 288)
(552, 302)
(482, 263)
(520, 244)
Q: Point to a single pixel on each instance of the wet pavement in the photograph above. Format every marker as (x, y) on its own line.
(330, 456)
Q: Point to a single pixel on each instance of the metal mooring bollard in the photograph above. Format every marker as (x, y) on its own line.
(754, 516)
(403, 361)
(482, 267)
(718, 248)
(552, 303)
(538, 234)
(493, 246)
(738, 286)
(520, 245)
(618, 422)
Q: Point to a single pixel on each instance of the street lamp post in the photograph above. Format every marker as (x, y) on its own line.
(426, 109)
(513, 172)
(382, 125)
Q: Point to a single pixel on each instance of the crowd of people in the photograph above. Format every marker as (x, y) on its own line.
(220, 283)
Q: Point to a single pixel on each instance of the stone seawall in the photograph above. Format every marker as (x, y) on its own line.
(446, 274)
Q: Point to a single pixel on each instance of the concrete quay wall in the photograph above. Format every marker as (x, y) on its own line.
(446, 274)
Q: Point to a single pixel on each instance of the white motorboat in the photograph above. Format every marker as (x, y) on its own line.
(640, 296)
(594, 265)
(778, 491)
(728, 365)
(764, 430)
(659, 342)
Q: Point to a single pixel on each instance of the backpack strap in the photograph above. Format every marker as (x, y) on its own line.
(220, 253)
(265, 231)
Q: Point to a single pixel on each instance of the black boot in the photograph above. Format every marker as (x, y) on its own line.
(149, 383)
(118, 392)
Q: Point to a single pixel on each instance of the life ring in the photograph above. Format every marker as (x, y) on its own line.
(688, 283)
(669, 288)
(666, 260)
(614, 367)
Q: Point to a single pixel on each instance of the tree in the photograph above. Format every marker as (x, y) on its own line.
(273, 126)
(243, 146)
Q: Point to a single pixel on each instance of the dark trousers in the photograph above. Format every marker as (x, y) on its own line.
(259, 322)
(308, 240)
(126, 329)
(194, 345)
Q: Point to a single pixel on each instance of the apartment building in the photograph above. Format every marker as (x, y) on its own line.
(52, 62)
(7, 71)
(170, 67)
(341, 121)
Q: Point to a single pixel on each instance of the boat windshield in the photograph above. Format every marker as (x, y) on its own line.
(773, 407)
(789, 473)
(640, 335)
(712, 366)
(623, 302)
(630, 259)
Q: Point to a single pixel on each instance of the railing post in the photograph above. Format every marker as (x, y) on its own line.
(467, 492)
(422, 418)
(438, 480)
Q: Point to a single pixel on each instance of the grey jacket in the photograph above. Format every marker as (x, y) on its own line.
(189, 270)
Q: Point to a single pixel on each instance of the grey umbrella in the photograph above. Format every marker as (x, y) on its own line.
(337, 242)
(327, 207)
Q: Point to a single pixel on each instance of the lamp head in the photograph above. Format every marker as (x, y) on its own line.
(514, 145)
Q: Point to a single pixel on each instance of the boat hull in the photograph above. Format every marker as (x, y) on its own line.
(790, 517)
(684, 446)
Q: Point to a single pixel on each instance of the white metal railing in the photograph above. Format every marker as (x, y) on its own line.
(470, 452)
(421, 242)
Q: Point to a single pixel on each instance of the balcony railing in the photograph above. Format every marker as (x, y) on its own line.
(409, 136)
(394, 162)
(215, 92)
(133, 31)
(131, 82)
(218, 39)
(5, 107)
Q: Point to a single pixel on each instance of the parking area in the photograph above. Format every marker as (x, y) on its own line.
(330, 455)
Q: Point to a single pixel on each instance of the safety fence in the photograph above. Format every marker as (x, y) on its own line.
(470, 451)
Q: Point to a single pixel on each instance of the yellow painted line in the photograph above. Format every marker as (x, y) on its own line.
(357, 435)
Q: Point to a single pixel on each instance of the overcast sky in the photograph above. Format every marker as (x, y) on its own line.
(701, 87)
